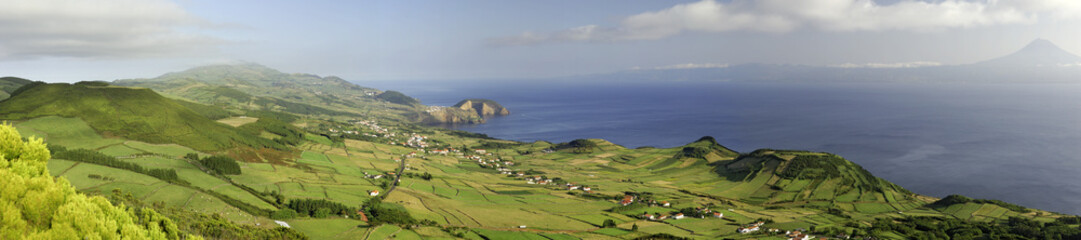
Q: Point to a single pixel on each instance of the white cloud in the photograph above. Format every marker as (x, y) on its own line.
(100, 28)
(779, 16)
(687, 66)
(888, 65)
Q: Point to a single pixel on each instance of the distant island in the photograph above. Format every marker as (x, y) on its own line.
(468, 111)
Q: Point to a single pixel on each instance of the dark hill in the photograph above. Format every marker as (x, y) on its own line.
(706, 148)
(397, 97)
(799, 177)
(133, 113)
(10, 84)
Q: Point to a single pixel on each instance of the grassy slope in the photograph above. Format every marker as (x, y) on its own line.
(133, 113)
(9, 84)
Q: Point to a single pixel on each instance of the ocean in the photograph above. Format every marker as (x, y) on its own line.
(1020, 143)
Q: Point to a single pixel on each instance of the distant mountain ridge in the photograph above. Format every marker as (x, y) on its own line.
(134, 113)
(1041, 61)
(252, 86)
(1038, 53)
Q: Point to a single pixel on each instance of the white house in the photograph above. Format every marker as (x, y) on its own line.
(747, 229)
(373, 193)
(718, 214)
(677, 216)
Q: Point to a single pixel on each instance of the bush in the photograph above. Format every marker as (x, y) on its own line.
(284, 214)
(221, 164)
(321, 213)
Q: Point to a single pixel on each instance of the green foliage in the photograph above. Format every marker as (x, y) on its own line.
(608, 223)
(704, 146)
(322, 213)
(37, 206)
(221, 164)
(577, 146)
(813, 167)
(284, 213)
(386, 213)
(959, 199)
(90, 156)
(660, 236)
(139, 114)
(949, 228)
(397, 97)
(312, 207)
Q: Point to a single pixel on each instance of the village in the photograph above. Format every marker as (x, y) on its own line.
(487, 160)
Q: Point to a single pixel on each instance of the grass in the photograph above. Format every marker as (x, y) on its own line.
(492, 234)
(383, 232)
(331, 228)
(68, 132)
(237, 121)
(612, 231)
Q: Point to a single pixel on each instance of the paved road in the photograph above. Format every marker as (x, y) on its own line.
(397, 178)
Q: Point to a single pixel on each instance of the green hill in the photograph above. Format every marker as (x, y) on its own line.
(133, 113)
(815, 179)
(10, 84)
(244, 87)
(397, 97)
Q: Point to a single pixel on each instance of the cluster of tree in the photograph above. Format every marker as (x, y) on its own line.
(499, 145)
(36, 206)
(949, 228)
(100, 177)
(426, 176)
(813, 167)
(660, 236)
(90, 156)
(694, 152)
(608, 223)
(209, 226)
(959, 199)
(577, 146)
(465, 134)
(386, 213)
(217, 163)
(319, 208)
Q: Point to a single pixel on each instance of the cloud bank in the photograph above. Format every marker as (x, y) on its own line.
(100, 28)
(780, 16)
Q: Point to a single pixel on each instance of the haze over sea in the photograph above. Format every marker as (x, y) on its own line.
(1013, 142)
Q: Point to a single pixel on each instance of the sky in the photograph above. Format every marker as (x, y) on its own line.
(75, 40)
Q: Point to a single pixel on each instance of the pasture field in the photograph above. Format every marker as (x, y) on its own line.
(67, 132)
(237, 121)
(330, 228)
(383, 232)
(493, 234)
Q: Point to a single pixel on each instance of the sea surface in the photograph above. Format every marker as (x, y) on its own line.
(1020, 143)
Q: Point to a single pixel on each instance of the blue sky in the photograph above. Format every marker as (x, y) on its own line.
(72, 40)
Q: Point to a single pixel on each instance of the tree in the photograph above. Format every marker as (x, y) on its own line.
(37, 206)
(284, 214)
(634, 228)
(608, 223)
